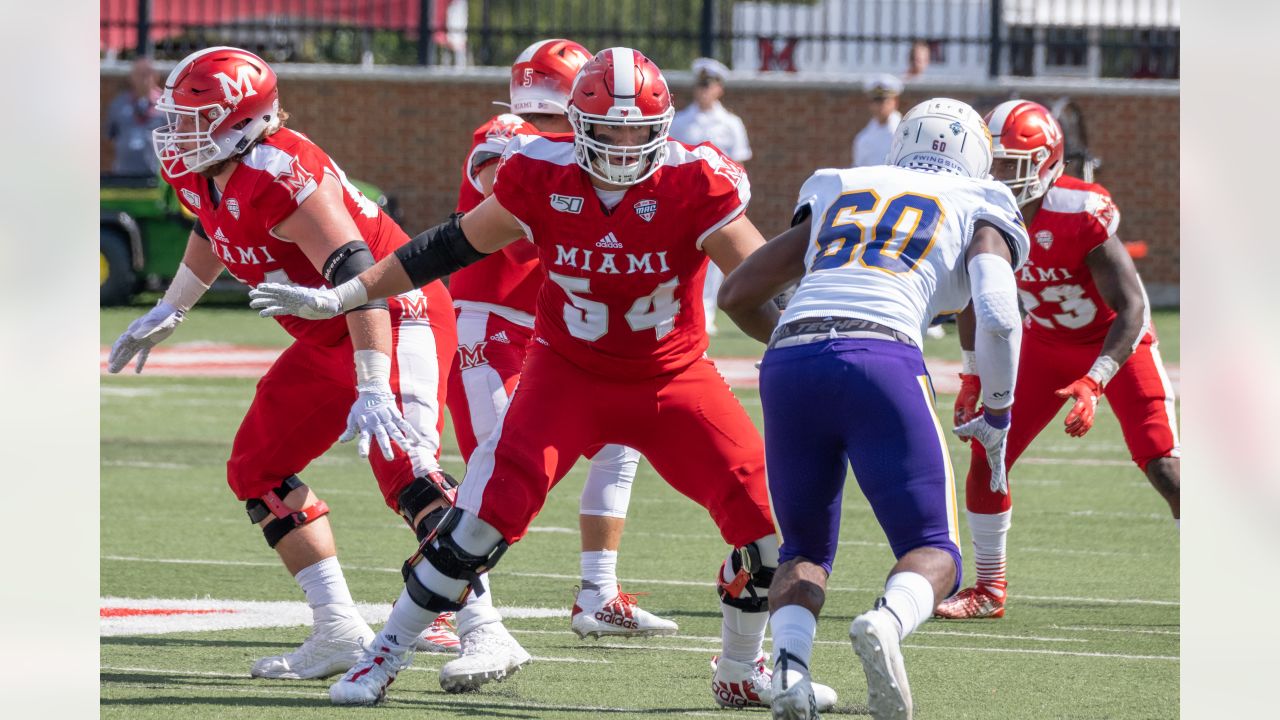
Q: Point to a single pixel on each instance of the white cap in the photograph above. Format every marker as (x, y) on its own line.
(884, 86)
(710, 67)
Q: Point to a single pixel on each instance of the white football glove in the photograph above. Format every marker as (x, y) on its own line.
(993, 441)
(375, 415)
(143, 334)
(272, 299)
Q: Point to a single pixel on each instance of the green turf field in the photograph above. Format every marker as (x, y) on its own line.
(1092, 629)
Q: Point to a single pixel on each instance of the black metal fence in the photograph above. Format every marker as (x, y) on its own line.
(970, 39)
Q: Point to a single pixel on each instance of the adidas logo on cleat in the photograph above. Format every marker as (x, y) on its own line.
(612, 618)
(736, 694)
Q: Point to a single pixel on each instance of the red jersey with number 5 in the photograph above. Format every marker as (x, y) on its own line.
(1057, 289)
(269, 183)
(624, 290)
(511, 277)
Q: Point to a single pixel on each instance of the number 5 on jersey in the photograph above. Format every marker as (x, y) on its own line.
(898, 237)
(589, 319)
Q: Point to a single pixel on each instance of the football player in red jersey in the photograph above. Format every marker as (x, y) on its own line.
(624, 221)
(495, 300)
(1088, 331)
(271, 204)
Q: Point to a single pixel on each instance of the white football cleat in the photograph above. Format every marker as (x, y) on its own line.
(489, 653)
(439, 637)
(875, 640)
(367, 681)
(791, 691)
(742, 685)
(620, 616)
(333, 647)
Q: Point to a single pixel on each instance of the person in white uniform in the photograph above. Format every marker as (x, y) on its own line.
(871, 144)
(706, 120)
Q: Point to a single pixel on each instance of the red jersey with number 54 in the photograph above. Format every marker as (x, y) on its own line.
(1057, 289)
(269, 183)
(510, 277)
(624, 290)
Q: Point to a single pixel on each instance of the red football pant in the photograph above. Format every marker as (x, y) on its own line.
(301, 404)
(1140, 395)
(486, 369)
(689, 425)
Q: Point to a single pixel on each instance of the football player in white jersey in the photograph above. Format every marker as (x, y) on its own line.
(879, 252)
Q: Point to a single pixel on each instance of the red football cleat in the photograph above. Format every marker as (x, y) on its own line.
(971, 604)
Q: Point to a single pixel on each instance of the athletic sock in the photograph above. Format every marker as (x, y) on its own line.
(909, 597)
(406, 623)
(989, 535)
(325, 587)
(742, 633)
(599, 577)
(793, 628)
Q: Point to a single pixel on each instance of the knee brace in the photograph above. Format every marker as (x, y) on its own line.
(421, 493)
(449, 559)
(744, 578)
(287, 519)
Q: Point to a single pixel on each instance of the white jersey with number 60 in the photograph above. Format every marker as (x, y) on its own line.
(887, 244)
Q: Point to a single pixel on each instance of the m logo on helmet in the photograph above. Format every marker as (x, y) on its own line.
(238, 89)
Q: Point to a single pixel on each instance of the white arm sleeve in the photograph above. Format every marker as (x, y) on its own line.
(999, 335)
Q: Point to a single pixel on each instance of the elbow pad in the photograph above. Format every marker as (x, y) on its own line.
(999, 328)
(347, 262)
(995, 295)
(438, 251)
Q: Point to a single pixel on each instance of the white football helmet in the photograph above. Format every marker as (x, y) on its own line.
(943, 135)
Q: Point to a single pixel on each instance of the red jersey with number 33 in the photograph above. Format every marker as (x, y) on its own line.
(624, 290)
(1057, 289)
(269, 183)
(510, 277)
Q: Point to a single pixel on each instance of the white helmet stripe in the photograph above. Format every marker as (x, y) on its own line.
(1000, 115)
(624, 76)
(528, 53)
(186, 63)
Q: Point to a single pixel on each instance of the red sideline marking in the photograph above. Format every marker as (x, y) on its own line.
(218, 360)
(135, 612)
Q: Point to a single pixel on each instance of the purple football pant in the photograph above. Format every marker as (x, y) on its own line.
(869, 402)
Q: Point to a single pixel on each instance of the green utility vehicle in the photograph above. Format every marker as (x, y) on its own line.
(144, 233)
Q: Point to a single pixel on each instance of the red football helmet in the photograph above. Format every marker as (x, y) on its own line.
(620, 86)
(542, 76)
(218, 102)
(1027, 132)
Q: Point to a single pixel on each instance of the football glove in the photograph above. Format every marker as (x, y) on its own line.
(967, 399)
(273, 299)
(143, 334)
(1086, 391)
(374, 416)
(992, 439)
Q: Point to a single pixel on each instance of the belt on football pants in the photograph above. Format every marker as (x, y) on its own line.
(800, 332)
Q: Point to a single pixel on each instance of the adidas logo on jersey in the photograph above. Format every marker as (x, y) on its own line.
(500, 336)
(609, 241)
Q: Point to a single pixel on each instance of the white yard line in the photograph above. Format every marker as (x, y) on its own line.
(1094, 628)
(637, 581)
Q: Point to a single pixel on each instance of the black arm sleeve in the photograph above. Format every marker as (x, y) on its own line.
(347, 262)
(198, 229)
(438, 251)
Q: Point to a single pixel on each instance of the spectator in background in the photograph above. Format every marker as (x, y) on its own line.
(871, 144)
(706, 120)
(131, 117)
(917, 59)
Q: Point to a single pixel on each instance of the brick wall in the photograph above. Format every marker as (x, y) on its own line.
(409, 135)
